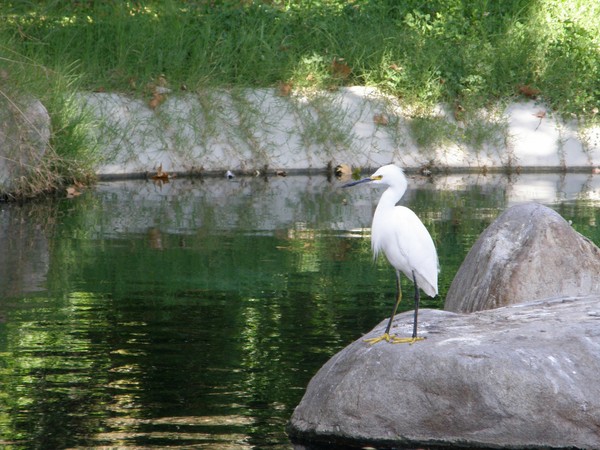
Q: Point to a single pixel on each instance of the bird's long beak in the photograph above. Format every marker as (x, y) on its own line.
(354, 183)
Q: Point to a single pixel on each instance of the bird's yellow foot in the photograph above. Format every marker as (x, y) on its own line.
(393, 339)
(384, 337)
(411, 340)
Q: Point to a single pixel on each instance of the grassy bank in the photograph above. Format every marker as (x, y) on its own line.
(465, 53)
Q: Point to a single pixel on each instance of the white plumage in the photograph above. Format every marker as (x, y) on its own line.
(398, 232)
(401, 236)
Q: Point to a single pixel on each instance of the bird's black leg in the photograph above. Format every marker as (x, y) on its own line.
(414, 338)
(417, 299)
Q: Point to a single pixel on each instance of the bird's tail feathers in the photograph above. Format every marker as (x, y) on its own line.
(427, 287)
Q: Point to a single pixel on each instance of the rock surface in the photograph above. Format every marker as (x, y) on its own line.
(513, 377)
(24, 138)
(530, 252)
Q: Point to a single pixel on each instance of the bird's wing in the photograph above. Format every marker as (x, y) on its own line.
(414, 249)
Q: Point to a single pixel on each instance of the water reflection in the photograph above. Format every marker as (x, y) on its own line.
(193, 314)
(24, 247)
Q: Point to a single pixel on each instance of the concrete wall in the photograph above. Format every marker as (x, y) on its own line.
(244, 130)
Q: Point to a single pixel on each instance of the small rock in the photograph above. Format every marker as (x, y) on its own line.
(343, 171)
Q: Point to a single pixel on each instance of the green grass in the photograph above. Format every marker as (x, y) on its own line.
(467, 51)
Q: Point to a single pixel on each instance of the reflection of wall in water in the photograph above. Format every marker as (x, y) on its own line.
(190, 206)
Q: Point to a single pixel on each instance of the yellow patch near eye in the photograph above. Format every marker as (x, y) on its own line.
(376, 177)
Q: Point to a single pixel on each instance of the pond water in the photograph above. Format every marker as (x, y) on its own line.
(193, 314)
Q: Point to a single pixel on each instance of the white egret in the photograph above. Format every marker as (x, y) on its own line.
(401, 236)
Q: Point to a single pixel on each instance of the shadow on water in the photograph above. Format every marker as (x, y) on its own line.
(193, 314)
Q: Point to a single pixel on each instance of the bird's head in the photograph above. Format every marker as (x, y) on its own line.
(390, 175)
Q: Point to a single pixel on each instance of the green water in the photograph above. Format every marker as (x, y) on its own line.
(193, 314)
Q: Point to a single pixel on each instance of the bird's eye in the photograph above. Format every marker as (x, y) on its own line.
(376, 177)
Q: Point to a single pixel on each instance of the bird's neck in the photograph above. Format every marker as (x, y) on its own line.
(381, 219)
(389, 198)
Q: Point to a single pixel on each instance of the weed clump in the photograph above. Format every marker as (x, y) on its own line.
(44, 141)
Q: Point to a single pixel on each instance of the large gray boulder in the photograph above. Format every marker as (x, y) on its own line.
(530, 252)
(522, 376)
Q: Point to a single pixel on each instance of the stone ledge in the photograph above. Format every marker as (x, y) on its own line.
(246, 130)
